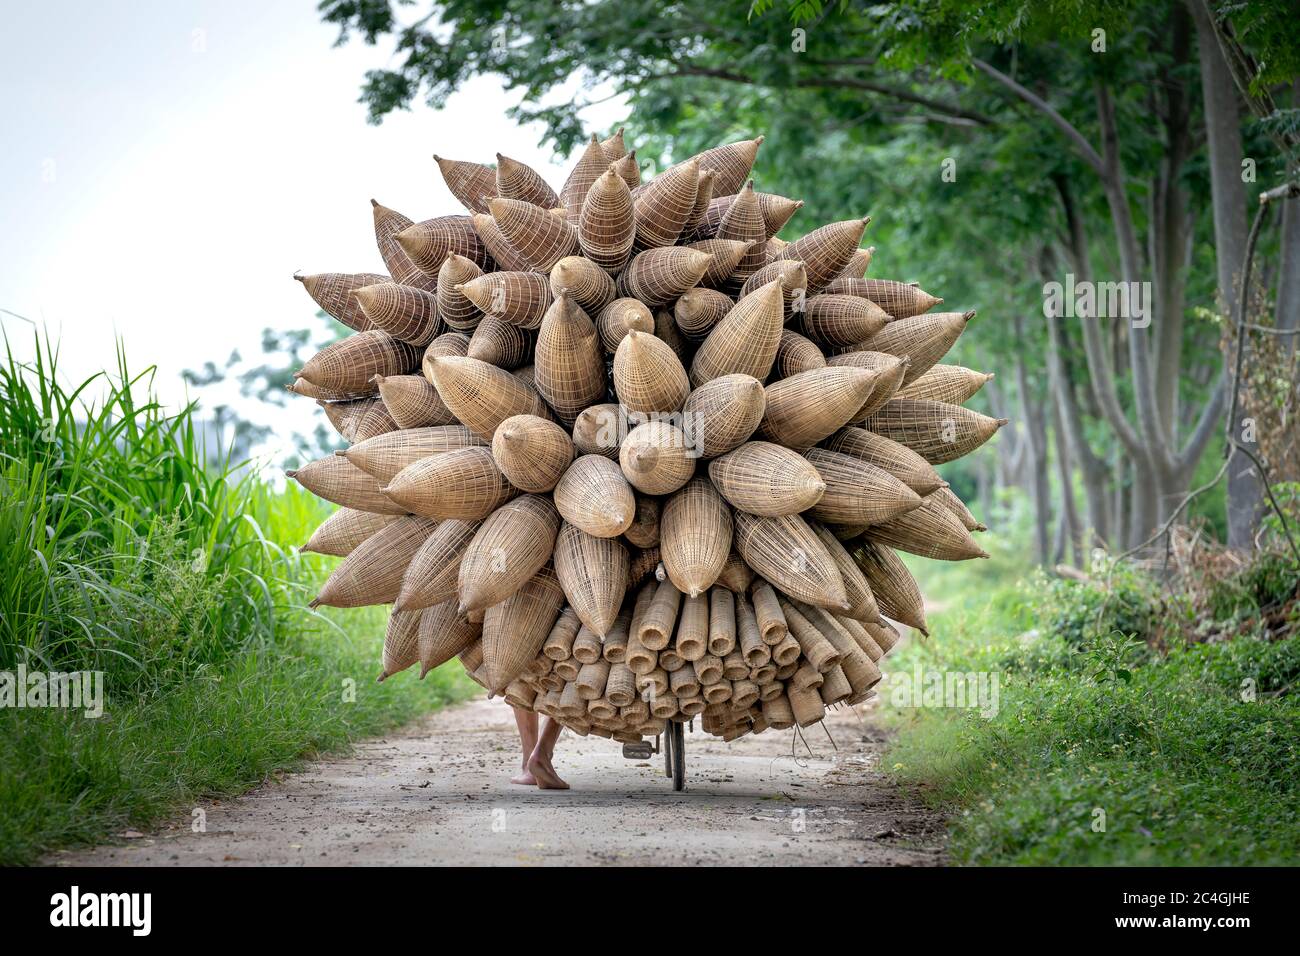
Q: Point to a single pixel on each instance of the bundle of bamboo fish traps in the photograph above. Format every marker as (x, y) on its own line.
(629, 456)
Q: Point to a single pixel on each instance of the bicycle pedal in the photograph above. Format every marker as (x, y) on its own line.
(640, 750)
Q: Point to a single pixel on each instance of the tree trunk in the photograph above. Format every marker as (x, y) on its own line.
(1228, 199)
(1035, 445)
(1069, 510)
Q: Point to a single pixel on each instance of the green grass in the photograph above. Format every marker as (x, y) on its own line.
(1102, 751)
(129, 548)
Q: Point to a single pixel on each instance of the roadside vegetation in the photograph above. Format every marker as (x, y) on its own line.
(129, 548)
(1141, 719)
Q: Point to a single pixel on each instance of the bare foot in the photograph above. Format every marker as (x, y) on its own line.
(539, 765)
(524, 779)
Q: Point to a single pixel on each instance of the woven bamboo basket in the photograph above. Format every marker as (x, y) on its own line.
(531, 452)
(648, 375)
(953, 384)
(372, 573)
(385, 455)
(699, 310)
(736, 575)
(743, 222)
(753, 649)
(893, 586)
(558, 645)
(341, 532)
(427, 244)
(482, 396)
(346, 416)
(924, 340)
(593, 495)
(540, 238)
(693, 628)
(404, 312)
(772, 628)
(606, 223)
(620, 317)
(932, 531)
(444, 633)
(858, 265)
(338, 480)
(792, 276)
(745, 341)
(497, 342)
(431, 576)
(899, 460)
(796, 353)
(593, 573)
(515, 629)
(724, 413)
(570, 364)
(703, 197)
(449, 343)
(412, 402)
(695, 537)
(644, 529)
(957, 507)
(333, 292)
(471, 183)
(591, 165)
(656, 458)
(722, 623)
(837, 320)
(300, 386)
(520, 298)
(810, 406)
(516, 180)
(936, 431)
(664, 205)
(826, 251)
(777, 211)
(348, 365)
(401, 643)
(509, 547)
(463, 484)
(388, 223)
(728, 257)
(857, 493)
(628, 170)
(658, 276)
(586, 284)
(862, 602)
(598, 431)
(614, 646)
(898, 299)
(767, 479)
(732, 164)
(787, 553)
(656, 627)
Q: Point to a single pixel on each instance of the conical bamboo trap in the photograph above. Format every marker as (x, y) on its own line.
(629, 457)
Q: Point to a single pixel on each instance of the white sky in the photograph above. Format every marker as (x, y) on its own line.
(167, 168)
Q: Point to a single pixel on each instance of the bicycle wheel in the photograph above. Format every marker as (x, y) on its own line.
(678, 735)
(666, 744)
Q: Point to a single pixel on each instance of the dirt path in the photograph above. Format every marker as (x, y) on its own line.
(438, 792)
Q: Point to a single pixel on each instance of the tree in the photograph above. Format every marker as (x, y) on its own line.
(1081, 136)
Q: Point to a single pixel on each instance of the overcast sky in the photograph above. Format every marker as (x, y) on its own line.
(168, 167)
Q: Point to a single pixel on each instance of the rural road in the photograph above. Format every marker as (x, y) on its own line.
(438, 792)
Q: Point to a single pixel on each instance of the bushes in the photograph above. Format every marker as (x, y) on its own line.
(127, 546)
(1105, 750)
